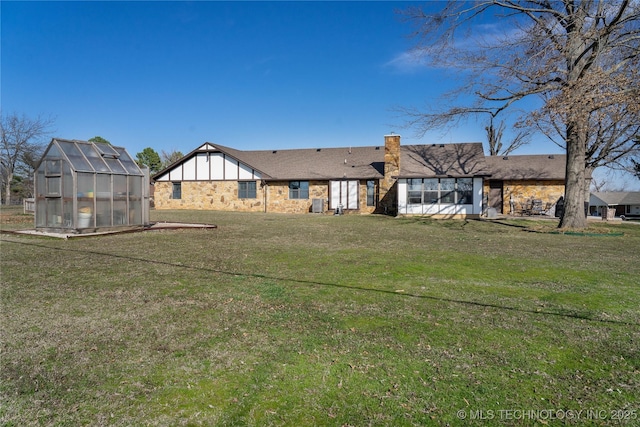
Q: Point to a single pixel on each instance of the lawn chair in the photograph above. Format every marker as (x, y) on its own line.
(524, 209)
(536, 207)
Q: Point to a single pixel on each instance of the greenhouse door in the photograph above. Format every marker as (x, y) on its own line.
(343, 193)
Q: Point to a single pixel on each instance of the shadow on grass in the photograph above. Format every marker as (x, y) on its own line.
(502, 222)
(565, 314)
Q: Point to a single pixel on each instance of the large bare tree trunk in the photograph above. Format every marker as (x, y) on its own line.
(574, 215)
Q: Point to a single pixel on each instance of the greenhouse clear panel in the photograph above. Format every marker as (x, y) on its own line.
(85, 196)
(54, 211)
(128, 162)
(120, 216)
(53, 153)
(94, 157)
(78, 162)
(103, 200)
(41, 211)
(135, 199)
(115, 165)
(67, 196)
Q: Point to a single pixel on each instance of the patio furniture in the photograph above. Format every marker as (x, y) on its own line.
(536, 207)
(524, 208)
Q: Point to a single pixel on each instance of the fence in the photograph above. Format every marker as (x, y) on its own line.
(29, 205)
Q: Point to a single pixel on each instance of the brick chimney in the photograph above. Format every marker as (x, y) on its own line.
(388, 199)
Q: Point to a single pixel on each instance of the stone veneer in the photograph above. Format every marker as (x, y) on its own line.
(524, 191)
(388, 184)
(215, 195)
(223, 195)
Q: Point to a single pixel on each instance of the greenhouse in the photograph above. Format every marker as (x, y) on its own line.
(83, 186)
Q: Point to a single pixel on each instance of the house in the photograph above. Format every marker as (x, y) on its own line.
(85, 186)
(437, 179)
(221, 178)
(516, 181)
(625, 203)
(440, 180)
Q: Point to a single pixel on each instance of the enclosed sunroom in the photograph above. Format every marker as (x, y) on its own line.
(82, 186)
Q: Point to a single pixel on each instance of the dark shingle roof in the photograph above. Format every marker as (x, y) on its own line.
(433, 160)
(441, 160)
(314, 163)
(618, 197)
(530, 167)
(457, 160)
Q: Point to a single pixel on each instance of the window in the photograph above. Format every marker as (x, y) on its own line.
(440, 190)
(414, 191)
(448, 191)
(52, 168)
(371, 193)
(247, 190)
(299, 189)
(177, 190)
(464, 191)
(430, 193)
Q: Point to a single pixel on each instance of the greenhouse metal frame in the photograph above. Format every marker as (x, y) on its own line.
(83, 186)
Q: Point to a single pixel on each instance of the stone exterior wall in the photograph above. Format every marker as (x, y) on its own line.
(223, 195)
(523, 191)
(363, 208)
(278, 197)
(213, 195)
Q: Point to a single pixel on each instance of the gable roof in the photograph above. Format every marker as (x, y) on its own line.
(433, 160)
(89, 156)
(314, 163)
(443, 160)
(527, 167)
(612, 198)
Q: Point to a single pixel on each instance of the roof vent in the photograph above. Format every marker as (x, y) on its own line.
(505, 158)
(318, 149)
(275, 151)
(106, 150)
(441, 145)
(552, 156)
(377, 148)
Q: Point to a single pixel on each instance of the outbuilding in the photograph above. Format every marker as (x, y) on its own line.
(83, 186)
(607, 204)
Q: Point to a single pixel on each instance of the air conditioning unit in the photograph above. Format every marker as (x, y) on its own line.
(317, 206)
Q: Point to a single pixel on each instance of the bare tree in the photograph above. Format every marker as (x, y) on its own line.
(611, 139)
(27, 167)
(579, 59)
(169, 157)
(495, 137)
(21, 138)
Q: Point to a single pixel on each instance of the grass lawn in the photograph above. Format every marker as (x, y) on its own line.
(321, 320)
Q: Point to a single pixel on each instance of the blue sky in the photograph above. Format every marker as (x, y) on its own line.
(250, 75)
